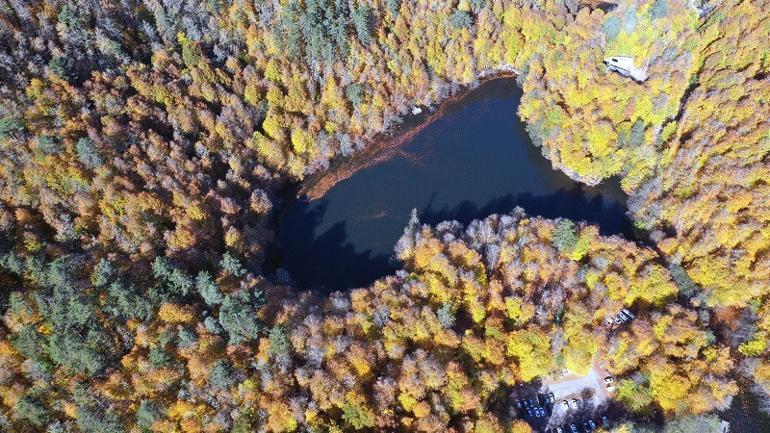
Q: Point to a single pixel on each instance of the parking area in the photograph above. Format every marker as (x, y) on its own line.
(538, 411)
(581, 426)
(589, 390)
(569, 403)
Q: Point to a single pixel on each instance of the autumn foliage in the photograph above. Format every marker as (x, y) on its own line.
(147, 148)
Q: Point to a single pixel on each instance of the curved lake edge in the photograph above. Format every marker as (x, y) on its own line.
(467, 159)
(386, 144)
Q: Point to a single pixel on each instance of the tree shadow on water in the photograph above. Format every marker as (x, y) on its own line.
(324, 261)
(574, 203)
(328, 260)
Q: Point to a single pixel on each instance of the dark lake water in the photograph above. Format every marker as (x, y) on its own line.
(745, 414)
(475, 160)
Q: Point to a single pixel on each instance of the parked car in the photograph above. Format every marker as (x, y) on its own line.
(617, 320)
(592, 424)
(629, 313)
(529, 412)
(565, 405)
(574, 403)
(608, 380)
(551, 398)
(518, 404)
(573, 428)
(605, 421)
(542, 412)
(559, 429)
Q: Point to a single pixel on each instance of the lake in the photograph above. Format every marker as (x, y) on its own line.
(474, 160)
(745, 414)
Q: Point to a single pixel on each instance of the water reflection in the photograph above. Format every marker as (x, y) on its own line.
(573, 203)
(319, 255)
(745, 414)
(475, 160)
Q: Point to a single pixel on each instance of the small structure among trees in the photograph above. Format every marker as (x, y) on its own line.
(624, 65)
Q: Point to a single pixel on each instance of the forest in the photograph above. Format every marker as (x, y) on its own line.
(148, 146)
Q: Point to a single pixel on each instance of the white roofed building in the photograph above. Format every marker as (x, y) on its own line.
(625, 66)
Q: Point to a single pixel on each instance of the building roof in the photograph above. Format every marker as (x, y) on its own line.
(624, 65)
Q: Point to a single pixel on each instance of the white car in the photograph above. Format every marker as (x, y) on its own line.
(574, 403)
(565, 405)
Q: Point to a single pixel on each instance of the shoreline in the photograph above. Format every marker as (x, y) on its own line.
(384, 145)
